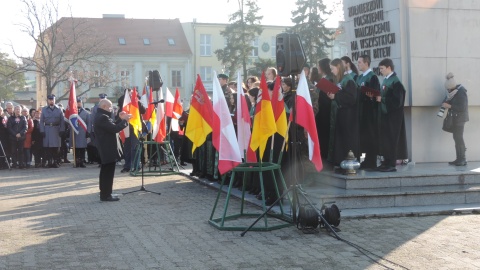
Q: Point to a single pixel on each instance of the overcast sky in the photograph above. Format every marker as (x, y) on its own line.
(207, 11)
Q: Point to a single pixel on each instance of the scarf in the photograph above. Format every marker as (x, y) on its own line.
(450, 95)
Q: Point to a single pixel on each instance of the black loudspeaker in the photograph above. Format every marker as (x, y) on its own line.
(155, 80)
(290, 54)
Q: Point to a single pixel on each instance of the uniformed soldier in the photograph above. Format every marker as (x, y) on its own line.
(81, 137)
(52, 128)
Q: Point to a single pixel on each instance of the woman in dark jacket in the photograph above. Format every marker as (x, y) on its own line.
(17, 128)
(457, 104)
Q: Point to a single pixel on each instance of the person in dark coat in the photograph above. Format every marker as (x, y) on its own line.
(457, 104)
(106, 131)
(322, 118)
(17, 129)
(368, 110)
(3, 140)
(344, 115)
(393, 136)
(52, 128)
(91, 131)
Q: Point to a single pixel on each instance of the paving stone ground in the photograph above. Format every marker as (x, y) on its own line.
(53, 219)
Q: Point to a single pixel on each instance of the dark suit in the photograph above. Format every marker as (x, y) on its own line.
(106, 131)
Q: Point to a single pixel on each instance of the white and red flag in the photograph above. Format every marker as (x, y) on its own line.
(306, 119)
(177, 105)
(244, 124)
(71, 112)
(223, 132)
(159, 131)
(169, 100)
(147, 103)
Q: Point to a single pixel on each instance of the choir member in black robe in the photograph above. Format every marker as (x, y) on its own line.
(344, 118)
(368, 110)
(322, 118)
(393, 137)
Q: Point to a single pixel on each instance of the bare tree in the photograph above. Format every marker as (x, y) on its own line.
(64, 45)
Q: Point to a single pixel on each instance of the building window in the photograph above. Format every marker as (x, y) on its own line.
(122, 41)
(176, 78)
(146, 41)
(99, 79)
(206, 74)
(254, 44)
(125, 78)
(171, 42)
(273, 46)
(205, 45)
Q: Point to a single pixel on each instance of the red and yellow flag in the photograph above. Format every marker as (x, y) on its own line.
(200, 120)
(264, 121)
(133, 109)
(278, 106)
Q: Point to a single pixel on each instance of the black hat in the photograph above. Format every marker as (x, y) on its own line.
(79, 99)
(51, 96)
(223, 76)
(102, 95)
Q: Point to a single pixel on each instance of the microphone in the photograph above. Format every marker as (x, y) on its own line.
(156, 102)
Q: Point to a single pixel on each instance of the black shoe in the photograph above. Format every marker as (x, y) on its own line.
(110, 199)
(66, 161)
(38, 165)
(388, 169)
(270, 200)
(125, 170)
(54, 165)
(460, 163)
(453, 162)
(183, 164)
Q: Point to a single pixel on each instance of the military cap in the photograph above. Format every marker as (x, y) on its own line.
(102, 95)
(79, 99)
(51, 96)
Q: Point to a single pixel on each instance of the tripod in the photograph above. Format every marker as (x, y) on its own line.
(140, 151)
(295, 188)
(4, 155)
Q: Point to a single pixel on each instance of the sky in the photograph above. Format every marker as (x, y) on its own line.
(209, 11)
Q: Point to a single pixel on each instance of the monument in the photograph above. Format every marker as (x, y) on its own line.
(426, 39)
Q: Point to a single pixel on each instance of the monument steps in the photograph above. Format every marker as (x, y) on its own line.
(412, 185)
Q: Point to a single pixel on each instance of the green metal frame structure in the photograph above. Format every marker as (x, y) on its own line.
(261, 167)
(151, 169)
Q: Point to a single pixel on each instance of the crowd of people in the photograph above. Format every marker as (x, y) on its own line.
(364, 116)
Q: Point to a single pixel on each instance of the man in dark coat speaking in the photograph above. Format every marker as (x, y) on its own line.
(106, 131)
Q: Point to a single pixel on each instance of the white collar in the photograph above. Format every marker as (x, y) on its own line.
(389, 75)
(367, 71)
(349, 71)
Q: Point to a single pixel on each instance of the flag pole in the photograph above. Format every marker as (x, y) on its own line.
(73, 148)
(284, 143)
